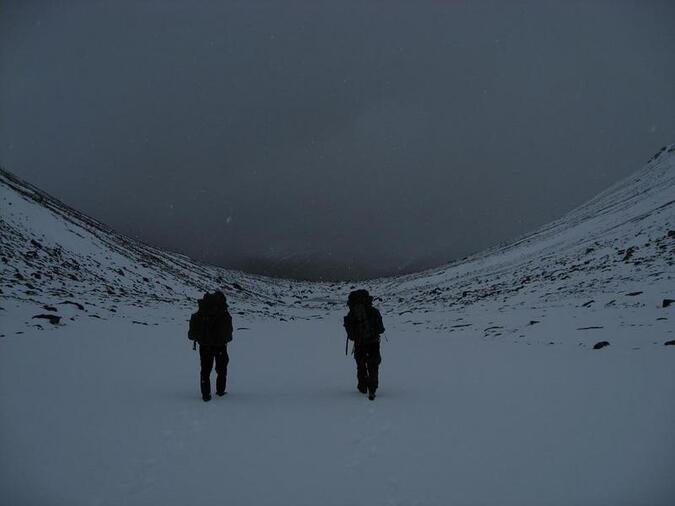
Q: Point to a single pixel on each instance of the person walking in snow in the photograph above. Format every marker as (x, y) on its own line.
(364, 325)
(211, 327)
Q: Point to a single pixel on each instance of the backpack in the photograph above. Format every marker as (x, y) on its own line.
(364, 322)
(212, 323)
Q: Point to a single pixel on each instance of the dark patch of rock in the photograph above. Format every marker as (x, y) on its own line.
(53, 319)
(633, 294)
(669, 343)
(667, 302)
(600, 345)
(76, 304)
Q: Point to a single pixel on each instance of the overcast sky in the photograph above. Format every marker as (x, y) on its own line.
(361, 137)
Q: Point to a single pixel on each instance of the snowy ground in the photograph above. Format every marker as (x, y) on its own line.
(109, 413)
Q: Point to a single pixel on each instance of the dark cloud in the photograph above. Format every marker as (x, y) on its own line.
(335, 139)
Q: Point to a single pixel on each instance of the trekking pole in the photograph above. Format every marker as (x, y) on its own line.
(347, 347)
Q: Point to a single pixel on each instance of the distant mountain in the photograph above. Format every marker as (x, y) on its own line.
(621, 238)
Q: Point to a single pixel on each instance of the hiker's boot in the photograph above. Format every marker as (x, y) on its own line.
(362, 388)
(221, 382)
(205, 387)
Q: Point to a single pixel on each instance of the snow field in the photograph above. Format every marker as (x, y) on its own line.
(108, 412)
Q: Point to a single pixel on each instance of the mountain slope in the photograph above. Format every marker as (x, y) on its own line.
(51, 252)
(618, 241)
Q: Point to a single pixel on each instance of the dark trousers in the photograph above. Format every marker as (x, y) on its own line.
(207, 355)
(368, 360)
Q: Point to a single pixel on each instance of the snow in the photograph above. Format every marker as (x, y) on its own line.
(490, 392)
(110, 414)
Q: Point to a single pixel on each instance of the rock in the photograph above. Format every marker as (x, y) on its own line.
(586, 304)
(600, 345)
(629, 253)
(671, 234)
(669, 343)
(667, 302)
(633, 294)
(533, 322)
(76, 304)
(53, 319)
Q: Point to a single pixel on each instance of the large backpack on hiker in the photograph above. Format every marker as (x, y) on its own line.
(363, 322)
(211, 325)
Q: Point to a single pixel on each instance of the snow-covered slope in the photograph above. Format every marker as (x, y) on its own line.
(623, 240)
(617, 243)
(491, 391)
(52, 254)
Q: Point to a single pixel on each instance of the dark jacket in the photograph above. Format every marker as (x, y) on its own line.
(363, 324)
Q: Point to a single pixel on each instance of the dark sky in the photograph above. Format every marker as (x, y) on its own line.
(339, 139)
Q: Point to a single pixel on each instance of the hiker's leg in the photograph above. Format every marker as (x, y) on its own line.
(373, 363)
(361, 368)
(222, 359)
(206, 362)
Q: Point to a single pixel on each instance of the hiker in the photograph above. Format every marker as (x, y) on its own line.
(363, 324)
(211, 327)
